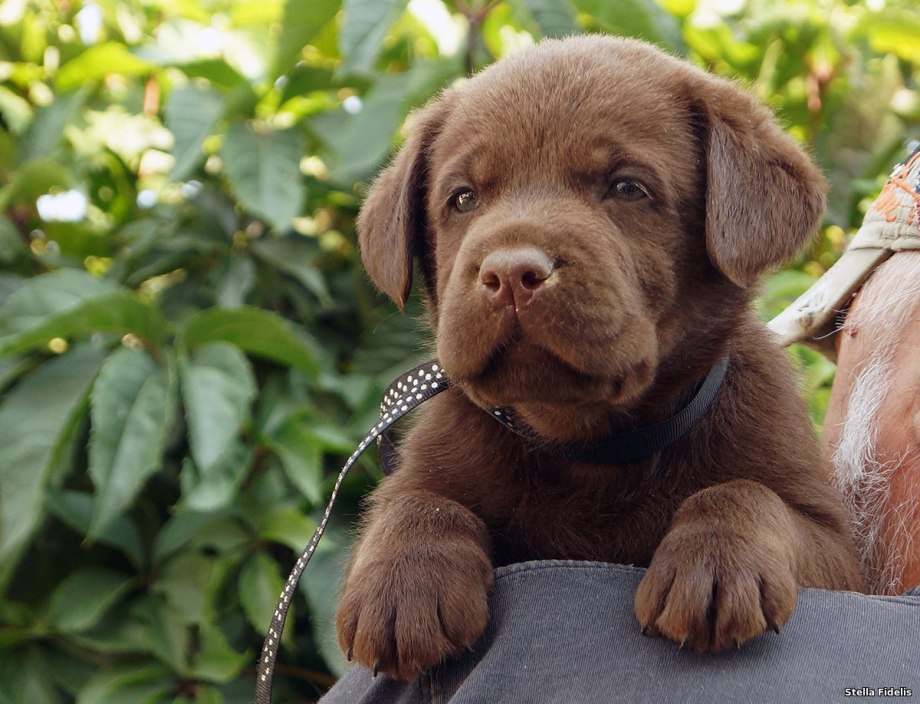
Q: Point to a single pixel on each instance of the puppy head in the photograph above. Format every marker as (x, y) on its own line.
(586, 212)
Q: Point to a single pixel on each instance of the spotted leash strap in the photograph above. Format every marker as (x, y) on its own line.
(403, 395)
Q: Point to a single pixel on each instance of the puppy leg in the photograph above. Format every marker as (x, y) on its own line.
(417, 586)
(729, 566)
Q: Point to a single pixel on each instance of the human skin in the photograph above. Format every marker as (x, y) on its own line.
(882, 327)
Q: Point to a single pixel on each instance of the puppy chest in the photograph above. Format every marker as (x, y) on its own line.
(567, 524)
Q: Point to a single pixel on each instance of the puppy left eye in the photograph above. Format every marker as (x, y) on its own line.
(624, 189)
(465, 201)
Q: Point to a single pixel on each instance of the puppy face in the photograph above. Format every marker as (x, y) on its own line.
(577, 178)
(585, 212)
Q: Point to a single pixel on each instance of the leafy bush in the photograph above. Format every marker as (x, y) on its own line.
(187, 344)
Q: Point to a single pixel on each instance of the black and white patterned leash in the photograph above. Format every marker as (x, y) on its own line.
(426, 380)
(403, 395)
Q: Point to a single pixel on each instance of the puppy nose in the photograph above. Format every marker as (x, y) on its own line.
(512, 277)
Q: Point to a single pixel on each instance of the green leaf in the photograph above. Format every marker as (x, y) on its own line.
(67, 303)
(644, 19)
(214, 530)
(133, 410)
(35, 178)
(191, 114)
(217, 487)
(187, 583)
(364, 27)
(295, 256)
(180, 530)
(260, 584)
(208, 695)
(12, 246)
(16, 110)
(227, 535)
(68, 670)
(120, 312)
(236, 283)
(301, 455)
(263, 168)
(358, 143)
(8, 150)
(553, 17)
(116, 633)
(46, 131)
(302, 21)
(361, 141)
(140, 684)
(76, 509)
(218, 387)
(215, 660)
(287, 525)
(258, 332)
(34, 416)
(9, 283)
(893, 30)
(218, 72)
(307, 78)
(84, 596)
(194, 585)
(258, 15)
(98, 62)
(156, 626)
(25, 676)
(11, 368)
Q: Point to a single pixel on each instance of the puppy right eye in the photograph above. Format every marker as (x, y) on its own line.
(465, 201)
(625, 189)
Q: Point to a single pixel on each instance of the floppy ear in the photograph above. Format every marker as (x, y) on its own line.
(764, 198)
(391, 224)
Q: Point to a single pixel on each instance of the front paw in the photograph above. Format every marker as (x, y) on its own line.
(402, 614)
(709, 591)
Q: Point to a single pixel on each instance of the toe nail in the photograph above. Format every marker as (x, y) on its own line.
(350, 654)
(376, 670)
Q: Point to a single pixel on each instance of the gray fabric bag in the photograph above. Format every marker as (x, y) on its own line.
(565, 632)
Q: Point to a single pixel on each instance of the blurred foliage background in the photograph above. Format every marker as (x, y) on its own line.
(187, 344)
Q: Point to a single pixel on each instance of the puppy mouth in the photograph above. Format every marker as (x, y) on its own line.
(520, 369)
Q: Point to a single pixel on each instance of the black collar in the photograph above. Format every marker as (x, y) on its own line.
(629, 445)
(619, 448)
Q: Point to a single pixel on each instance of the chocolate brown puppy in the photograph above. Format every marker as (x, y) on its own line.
(591, 218)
